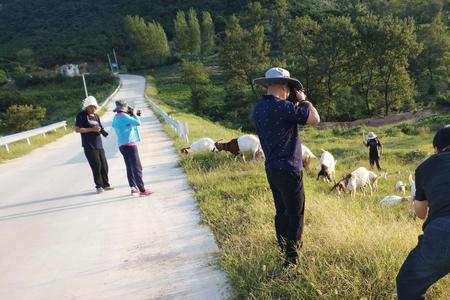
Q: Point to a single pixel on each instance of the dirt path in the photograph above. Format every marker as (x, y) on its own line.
(60, 240)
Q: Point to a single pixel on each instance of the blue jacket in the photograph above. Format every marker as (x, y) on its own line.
(126, 128)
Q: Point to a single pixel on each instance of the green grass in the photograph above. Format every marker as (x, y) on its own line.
(352, 249)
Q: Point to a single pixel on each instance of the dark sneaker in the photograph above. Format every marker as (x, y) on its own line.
(108, 188)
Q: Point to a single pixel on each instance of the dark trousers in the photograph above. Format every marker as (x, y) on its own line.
(374, 160)
(427, 263)
(99, 166)
(134, 167)
(289, 198)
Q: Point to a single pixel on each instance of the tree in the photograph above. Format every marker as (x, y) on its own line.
(245, 53)
(3, 77)
(392, 59)
(430, 65)
(18, 118)
(299, 51)
(279, 14)
(195, 35)
(207, 33)
(26, 57)
(196, 77)
(181, 34)
(148, 41)
(334, 47)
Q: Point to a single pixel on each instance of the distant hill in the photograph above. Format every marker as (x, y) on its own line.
(63, 31)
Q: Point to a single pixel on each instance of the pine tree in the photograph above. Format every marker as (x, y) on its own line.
(195, 36)
(207, 33)
(181, 34)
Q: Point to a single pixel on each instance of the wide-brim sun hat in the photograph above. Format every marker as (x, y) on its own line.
(121, 105)
(278, 76)
(371, 136)
(90, 101)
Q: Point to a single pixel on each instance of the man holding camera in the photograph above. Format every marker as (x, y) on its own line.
(125, 124)
(276, 117)
(429, 261)
(88, 124)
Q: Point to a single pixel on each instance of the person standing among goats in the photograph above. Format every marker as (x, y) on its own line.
(88, 124)
(125, 124)
(276, 120)
(429, 261)
(375, 150)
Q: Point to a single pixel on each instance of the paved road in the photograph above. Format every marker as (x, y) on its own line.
(60, 240)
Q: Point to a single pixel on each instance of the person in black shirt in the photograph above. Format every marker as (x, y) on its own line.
(430, 259)
(276, 120)
(88, 124)
(375, 150)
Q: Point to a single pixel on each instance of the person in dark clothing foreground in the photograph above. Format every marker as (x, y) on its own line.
(429, 261)
(276, 120)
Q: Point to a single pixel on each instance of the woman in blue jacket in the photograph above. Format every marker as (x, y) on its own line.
(125, 124)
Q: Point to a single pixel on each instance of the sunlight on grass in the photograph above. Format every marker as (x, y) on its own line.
(352, 249)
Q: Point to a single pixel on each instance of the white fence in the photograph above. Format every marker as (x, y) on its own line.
(27, 135)
(180, 128)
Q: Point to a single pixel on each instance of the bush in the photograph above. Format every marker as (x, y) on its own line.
(413, 156)
(22, 117)
(3, 77)
(392, 131)
(408, 128)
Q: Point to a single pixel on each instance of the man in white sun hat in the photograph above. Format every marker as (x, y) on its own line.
(88, 124)
(375, 150)
(276, 120)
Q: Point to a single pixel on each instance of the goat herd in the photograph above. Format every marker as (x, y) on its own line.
(361, 178)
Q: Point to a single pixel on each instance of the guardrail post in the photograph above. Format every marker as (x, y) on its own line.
(28, 141)
(7, 148)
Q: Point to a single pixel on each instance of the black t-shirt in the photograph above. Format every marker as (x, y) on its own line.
(373, 145)
(89, 140)
(433, 184)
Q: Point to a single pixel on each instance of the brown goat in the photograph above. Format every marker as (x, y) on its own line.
(341, 185)
(232, 146)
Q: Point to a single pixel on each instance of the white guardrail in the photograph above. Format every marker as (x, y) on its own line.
(27, 135)
(180, 128)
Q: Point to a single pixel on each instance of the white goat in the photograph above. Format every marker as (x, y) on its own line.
(326, 166)
(400, 186)
(249, 143)
(374, 179)
(201, 145)
(307, 157)
(392, 200)
(359, 178)
(413, 186)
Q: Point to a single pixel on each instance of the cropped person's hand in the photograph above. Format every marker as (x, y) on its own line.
(96, 129)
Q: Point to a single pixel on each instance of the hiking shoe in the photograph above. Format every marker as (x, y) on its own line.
(108, 188)
(147, 192)
(134, 191)
(99, 190)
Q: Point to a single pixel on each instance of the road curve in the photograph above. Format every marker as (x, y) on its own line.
(60, 240)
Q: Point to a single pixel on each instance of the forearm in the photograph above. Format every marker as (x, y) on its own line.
(83, 130)
(313, 118)
(421, 208)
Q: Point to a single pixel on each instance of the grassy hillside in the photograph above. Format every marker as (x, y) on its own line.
(352, 249)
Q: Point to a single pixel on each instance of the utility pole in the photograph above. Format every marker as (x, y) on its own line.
(110, 65)
(85, 88)
(115, 58)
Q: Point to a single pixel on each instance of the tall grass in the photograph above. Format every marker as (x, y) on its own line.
(352, 249)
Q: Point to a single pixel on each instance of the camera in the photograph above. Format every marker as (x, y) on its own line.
(130, 111)
(104, 132)
(293, 95)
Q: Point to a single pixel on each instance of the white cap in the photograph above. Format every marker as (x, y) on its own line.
(88, 101)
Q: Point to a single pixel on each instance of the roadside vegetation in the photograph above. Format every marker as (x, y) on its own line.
(40, 101)
(352, 249)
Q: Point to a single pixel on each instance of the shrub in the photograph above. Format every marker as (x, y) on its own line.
(413, 156)
(22, 117)
(3, 77)
(408, 128)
